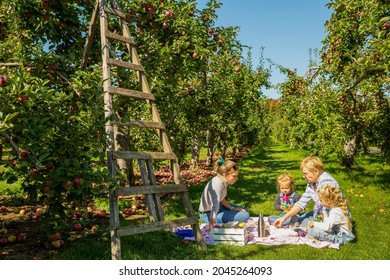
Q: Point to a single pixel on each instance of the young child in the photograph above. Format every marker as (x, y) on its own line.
(285, 199)
(336, 226)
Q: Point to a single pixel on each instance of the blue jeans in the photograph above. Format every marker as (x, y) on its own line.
(225, 215)
(293, 219)
(305, 218)
(334, 237)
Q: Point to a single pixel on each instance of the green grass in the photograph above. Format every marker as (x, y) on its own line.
(367, 186)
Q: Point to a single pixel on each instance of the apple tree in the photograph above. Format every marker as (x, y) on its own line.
(356, 55)
(51, 116)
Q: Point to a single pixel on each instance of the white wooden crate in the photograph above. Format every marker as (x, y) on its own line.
(232, 235)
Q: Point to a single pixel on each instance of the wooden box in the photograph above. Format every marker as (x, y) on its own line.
(230, 235)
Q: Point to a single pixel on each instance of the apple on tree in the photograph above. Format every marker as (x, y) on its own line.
(3, 80)
(76, 182)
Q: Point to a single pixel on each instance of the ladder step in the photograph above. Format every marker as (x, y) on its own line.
(125, 64)
(131, 93)
(116, 12)
(143, 155)
(119, 37)
(123, 231)
(147, 124)
(151, 189)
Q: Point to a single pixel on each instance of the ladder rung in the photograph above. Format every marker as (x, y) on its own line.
(123, 231)
(143, 155)
(125, 64)
(119, 37)
(131, 93)
(116, 12)
(147, 124)
(151, 189)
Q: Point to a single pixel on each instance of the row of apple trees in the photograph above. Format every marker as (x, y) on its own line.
(52, 126)
(342, 103)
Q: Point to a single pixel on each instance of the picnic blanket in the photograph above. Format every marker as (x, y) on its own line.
(275, 236)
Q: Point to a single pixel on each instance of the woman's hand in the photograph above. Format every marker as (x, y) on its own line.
(311, 224)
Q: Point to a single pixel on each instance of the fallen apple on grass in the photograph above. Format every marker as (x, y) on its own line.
(77, 227)
(11, 238)
(21, 237)
(56, 244)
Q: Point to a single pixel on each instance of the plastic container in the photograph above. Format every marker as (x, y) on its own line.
(316, 211)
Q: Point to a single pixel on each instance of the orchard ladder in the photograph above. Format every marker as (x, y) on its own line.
(149, 188)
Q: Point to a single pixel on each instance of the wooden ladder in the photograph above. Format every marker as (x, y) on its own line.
(149, 188)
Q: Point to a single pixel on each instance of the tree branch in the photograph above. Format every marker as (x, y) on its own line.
(13, 144)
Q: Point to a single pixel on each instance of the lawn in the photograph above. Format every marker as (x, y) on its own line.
(367, 186)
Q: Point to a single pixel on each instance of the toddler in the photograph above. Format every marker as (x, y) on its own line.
(285, 199)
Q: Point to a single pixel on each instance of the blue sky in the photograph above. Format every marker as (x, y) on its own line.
(287, 29)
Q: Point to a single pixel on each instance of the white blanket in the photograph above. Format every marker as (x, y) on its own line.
(275, 236)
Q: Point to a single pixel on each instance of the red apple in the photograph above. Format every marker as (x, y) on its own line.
(46, 189)
(169, 14)
(53, 67)
(23, 154)
(165, 24)
(21, 237)
(237, 69)
(66, 185)
(102, 214)
(77, 227)
(50, 166)
(3, 80)
(195, 55)
(3, 241)
(76, 182)
(54, 236)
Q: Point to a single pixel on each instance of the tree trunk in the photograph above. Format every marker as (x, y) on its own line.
(195, 153)
(210, 147)
(350, 148)
(122, 143)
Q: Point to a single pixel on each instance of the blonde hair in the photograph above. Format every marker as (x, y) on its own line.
(228, 167)
(285, 179)
(312, 163)
(333, 194)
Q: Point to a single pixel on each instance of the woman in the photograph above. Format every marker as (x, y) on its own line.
(213, 207)
(313, 172)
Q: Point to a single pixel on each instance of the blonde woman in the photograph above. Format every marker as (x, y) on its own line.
(336, 226)
(213, 207)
